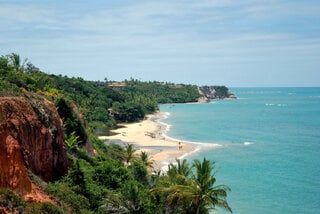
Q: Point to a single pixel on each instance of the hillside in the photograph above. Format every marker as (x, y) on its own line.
(128, 101)
(49, 152)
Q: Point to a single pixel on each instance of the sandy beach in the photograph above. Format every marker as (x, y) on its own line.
(149, 136)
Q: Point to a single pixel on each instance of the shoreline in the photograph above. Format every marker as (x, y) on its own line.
(149, 135)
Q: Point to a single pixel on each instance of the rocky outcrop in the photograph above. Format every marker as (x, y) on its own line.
(31, 138)
(214, 92)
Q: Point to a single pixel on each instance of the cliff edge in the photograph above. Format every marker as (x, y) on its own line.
(31, 138)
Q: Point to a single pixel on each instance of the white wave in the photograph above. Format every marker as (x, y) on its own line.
(165, 126)
(247, 143)
(166, 163)
(188, 154)
(213, 102)
(279, 104)
(202, 144)
(165, 115)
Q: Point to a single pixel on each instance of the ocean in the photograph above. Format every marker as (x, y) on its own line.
(269, 153)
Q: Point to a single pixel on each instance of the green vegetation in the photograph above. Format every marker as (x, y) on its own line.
(116, 179)
(221, 91)
(190, 189)
(72, 123)
(108, 184)
(102, 104)
(161, 92)
(12, 203)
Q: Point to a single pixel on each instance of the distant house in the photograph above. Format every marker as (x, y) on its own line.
(115, 85)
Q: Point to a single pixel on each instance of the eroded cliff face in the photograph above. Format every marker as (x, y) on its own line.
(31, 138)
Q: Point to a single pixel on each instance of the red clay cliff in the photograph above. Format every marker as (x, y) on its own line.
(31, 138)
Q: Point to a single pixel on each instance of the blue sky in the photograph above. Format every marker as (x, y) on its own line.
(225, 42)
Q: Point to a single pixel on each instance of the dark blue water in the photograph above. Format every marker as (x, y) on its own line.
(270, 153)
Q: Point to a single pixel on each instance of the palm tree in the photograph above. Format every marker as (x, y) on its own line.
(179, 171)
(202, 193)
(128, 154)
(15, 61)
(167, 186)
(144, 160)
(180, 168)
(192, 191)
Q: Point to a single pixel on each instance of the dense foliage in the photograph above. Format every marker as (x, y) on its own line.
(101, 103)
(188, 189)
(116, 179)
(105, 184)
(162, 92)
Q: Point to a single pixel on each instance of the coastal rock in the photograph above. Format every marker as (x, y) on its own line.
(214, 92)
(31, 138)
(203, 99)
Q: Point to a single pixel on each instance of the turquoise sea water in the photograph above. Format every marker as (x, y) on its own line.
(270, 146)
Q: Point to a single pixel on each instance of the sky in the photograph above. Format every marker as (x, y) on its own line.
(255, 43)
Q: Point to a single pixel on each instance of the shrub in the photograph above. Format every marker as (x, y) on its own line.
(111, 174)
(11, 201)
(68, 198)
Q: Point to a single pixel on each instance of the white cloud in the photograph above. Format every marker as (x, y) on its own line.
(25, 13)
(172, 35)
